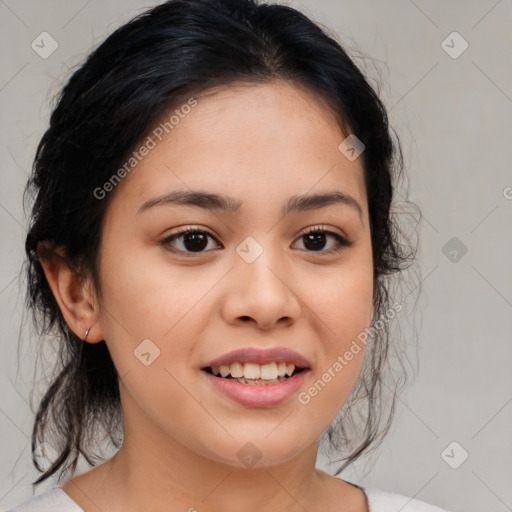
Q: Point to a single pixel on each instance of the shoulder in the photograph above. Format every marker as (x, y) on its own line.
(383, 501)
(52, 500)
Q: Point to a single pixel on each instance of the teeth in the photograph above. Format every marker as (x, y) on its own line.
(236, 370)
(289, 368)
(251, 371)
(268, 371)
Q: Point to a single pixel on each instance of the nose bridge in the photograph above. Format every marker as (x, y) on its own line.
(260, 260)
(257, 264)
(259, 287)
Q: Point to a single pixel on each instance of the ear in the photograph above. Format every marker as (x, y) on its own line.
(72, 293)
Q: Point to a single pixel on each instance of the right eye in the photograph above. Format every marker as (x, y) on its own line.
(191, 240)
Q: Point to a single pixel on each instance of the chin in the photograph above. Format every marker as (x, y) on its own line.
(259, 453)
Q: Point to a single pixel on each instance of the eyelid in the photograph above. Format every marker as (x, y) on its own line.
(322, 228)
(192, 228)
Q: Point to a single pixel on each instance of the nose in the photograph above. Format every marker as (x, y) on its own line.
(260, 292)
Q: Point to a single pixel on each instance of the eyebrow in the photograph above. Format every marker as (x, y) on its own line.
(210, 200)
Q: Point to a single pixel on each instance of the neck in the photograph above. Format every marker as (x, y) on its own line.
(153, 478)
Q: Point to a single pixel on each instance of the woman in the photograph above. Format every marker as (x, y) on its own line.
(211, 238)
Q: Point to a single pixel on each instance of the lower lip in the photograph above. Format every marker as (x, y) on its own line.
(259, 395)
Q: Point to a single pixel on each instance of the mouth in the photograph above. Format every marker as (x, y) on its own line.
(257, 385)
(258, 377)
(255, 374)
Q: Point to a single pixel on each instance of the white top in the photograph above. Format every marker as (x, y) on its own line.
(56, 500)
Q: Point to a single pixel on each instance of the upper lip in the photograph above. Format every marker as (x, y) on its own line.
(260, 356)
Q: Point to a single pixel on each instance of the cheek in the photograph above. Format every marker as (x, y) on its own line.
(346, 306)
(145, 321)
(139, 292)
(342, 301)
(342, 304)
(148, 300)
(133, 308)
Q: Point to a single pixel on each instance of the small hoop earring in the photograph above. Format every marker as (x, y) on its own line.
(86, 333)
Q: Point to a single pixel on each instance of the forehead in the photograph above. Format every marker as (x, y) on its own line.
(257, 141)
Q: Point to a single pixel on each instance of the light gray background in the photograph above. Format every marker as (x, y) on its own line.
(454, 117)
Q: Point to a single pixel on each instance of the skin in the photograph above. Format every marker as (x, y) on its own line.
(260, 144)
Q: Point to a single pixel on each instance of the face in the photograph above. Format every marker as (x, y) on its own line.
(247, 275)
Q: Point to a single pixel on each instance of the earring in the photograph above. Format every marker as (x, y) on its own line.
(86, 333)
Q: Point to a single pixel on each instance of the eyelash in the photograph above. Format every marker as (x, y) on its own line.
(342, 242)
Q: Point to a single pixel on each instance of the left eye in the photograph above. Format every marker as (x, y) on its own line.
(315, 240)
